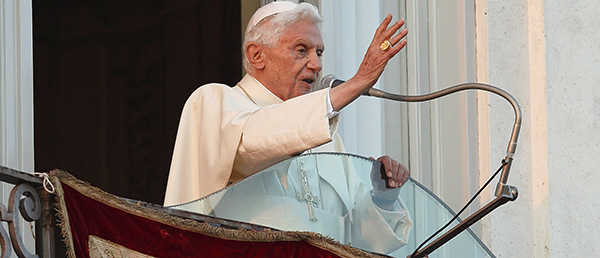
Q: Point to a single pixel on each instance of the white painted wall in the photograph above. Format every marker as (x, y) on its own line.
(546, 54)
(573, 100)
(509, 230)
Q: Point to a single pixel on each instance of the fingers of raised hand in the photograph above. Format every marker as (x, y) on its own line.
(378, 55)
(397, 43)
(389, 32)
(383, 27)
(398, 40)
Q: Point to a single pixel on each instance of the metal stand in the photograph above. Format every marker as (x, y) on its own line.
(504, 192)
(491, 206)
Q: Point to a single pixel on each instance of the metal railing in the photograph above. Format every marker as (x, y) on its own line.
(28, 201)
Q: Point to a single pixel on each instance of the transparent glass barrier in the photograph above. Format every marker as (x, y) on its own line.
(331, 193)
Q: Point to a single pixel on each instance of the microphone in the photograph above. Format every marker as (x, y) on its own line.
(330, 81)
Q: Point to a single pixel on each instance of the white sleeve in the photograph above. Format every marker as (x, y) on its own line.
(330, 112)
(380, 230)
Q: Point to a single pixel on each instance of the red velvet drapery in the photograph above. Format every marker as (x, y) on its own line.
(86, 211)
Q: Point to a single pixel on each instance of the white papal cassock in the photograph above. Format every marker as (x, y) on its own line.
(226, 134)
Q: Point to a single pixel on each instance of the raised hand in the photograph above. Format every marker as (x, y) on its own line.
(386, 43)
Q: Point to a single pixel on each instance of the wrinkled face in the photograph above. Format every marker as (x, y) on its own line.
(292, 65)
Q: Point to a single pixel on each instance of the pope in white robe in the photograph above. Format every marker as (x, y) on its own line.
(267, 120)
(226, 134)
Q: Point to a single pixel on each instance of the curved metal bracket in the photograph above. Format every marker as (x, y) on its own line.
(512, 144)
(23, 200)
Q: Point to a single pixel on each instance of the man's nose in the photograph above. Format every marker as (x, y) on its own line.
(314, 63)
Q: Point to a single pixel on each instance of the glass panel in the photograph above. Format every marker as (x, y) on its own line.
(338, 188)
(429, 214)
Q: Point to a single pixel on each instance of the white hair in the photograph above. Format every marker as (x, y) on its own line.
(268, 31)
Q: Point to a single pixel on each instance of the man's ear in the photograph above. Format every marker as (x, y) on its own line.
(255, 55)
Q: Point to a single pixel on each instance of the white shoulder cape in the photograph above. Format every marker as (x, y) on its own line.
(216, 119)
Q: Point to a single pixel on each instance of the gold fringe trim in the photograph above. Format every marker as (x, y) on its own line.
(62, 216)
(315, 239)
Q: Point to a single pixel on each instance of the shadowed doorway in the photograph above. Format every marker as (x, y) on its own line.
(111, 78)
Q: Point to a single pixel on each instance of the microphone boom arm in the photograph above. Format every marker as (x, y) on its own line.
(504, 192)
(512, 145)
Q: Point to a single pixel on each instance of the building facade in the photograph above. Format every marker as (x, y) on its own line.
(544, 53)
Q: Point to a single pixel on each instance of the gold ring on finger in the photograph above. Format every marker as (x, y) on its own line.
(386, 45)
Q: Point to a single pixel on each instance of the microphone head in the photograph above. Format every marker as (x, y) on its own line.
(326, 81)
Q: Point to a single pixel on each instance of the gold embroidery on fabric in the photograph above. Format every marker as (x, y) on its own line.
(102, 248)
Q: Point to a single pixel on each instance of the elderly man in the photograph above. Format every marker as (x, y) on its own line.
(227, 134)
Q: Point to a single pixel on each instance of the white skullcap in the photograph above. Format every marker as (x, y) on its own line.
(267, 10)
